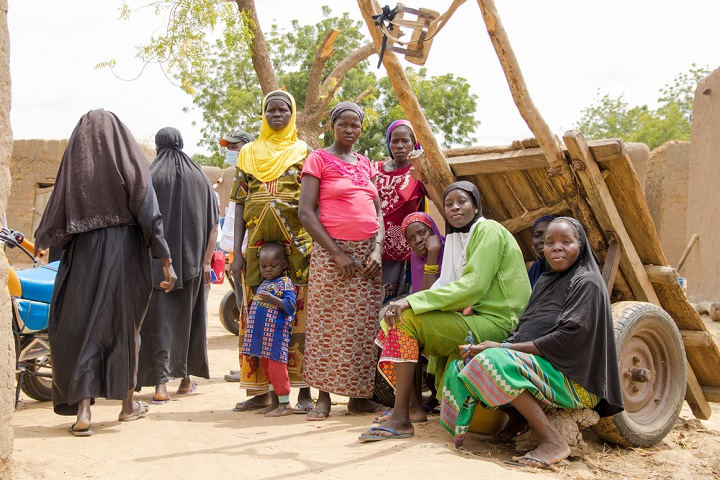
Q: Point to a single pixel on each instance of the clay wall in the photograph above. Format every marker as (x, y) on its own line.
(639, 154)
(703, 263)
(34, 165)
(7, 348)
(666, 191)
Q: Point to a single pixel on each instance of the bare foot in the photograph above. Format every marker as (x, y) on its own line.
(282, 410)
(83, 415)
(186, 386)
(267, 409)
(322, 408)
(258, 401)
(416, 416)
(365, 405)
(161, 394)
(545, 455)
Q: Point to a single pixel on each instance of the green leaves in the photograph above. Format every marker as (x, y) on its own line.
(611, 117)
(206, 47)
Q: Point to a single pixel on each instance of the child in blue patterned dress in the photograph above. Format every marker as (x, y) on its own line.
(270, 319)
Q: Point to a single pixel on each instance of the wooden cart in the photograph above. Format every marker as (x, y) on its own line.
(665, 353)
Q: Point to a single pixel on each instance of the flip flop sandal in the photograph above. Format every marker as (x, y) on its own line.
(542, 463)
(161, 401)
(247, 406)
(193, 389)
(85, 432)
(143, 409)
(303, 408)
(394, 435)
(321, 416)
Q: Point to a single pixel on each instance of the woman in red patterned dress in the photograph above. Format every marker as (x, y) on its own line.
(400, 195)
(340, 208)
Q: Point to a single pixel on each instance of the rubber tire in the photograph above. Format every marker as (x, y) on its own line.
(230, 313)
(647, 426)
(37, 388)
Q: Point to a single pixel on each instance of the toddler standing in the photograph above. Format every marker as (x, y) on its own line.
(269, 324)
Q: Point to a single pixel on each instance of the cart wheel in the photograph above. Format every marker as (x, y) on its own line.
(230, 313)
(653, 375)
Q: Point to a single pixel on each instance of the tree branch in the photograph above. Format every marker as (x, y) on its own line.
(321, 57)
(260, 55)
(334, 80)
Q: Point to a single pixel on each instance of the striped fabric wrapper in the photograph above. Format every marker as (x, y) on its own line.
(495, 378)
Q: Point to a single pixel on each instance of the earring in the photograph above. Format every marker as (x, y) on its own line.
(476, 211)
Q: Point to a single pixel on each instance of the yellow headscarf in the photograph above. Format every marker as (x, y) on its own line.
(273, 152)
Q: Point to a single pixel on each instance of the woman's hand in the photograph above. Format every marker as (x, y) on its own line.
(170, 277)
(469, 351)
(237, 267)
(393, 314)
(206, 271)
(345, 264)
(433, 245)
(373, 266)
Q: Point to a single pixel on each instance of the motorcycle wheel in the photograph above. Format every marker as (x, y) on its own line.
(230, 313)
(38, 388)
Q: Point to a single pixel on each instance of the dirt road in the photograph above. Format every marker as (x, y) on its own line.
(199, 436)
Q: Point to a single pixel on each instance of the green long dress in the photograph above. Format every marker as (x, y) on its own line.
(494, 282)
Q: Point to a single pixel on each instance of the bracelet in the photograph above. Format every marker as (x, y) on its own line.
(506, 345)
(431, 269)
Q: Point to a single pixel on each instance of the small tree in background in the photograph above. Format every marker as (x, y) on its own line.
(611, 117)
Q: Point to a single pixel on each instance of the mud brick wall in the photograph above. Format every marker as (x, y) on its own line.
(666, 191)
(703, 264)
(7, 349)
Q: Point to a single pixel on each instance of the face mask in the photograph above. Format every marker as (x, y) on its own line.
(231, 157)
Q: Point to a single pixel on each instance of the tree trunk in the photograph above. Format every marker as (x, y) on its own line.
(260, 56)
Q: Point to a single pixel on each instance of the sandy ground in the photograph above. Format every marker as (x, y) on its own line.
(199, 436)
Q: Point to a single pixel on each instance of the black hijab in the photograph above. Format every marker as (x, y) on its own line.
(187, 203)
(569, 319)
(475, 193)
(101, 182)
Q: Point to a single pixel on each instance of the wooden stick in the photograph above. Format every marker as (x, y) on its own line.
(660, 274)
(432, 165)
(689, 247)
(519, 91)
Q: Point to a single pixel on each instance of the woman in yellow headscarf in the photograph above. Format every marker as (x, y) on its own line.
(266, 193)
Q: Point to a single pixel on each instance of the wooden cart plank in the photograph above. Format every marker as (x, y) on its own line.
(608, 216)
(695, 397)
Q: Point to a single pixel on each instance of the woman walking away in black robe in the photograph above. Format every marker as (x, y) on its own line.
(174, 333)
(104, 213)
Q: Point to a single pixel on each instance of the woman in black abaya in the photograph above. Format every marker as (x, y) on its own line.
(174, 333)
(104, 213)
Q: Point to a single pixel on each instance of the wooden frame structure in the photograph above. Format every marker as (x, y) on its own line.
(593, 181)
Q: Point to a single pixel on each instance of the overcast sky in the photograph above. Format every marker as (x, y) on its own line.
(567, 51)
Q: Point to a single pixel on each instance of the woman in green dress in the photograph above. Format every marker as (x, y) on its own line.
(266, 193)
(483, 267)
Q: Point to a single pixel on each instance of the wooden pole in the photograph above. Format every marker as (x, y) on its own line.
(559, 169)
(687, 250)
(548, 142)
(432, 166)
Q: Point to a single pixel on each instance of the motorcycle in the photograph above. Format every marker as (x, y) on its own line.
(30, 293)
